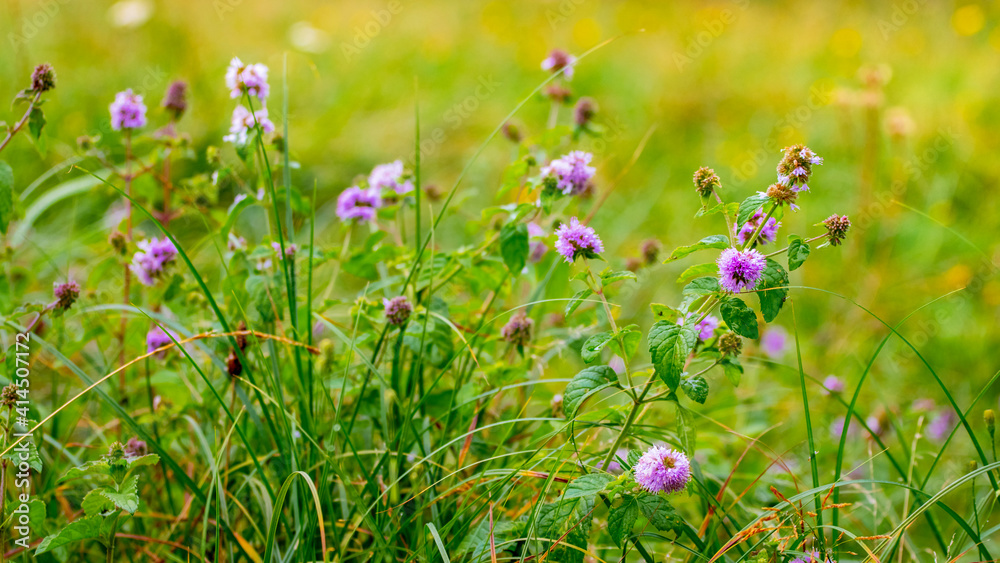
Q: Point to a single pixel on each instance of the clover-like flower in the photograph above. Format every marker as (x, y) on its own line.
(127, 111)
(558, 60)
(768, 234)
(154, 255)
(250, 78)
(740, 270)
(397, 310)
(390, 177)
(571, 173)
(661, 469)
(358, 203)
(574, 239)
(795, 167)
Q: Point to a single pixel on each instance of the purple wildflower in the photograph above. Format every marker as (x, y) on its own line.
(584, 111)
(768, 234)
(707, 327)
(157, 338)
(740, 270)
(127, 111)
(236, 242)
(517, 331)
(135, 448)
(290, 249)
(247, 78)
(662, 469)
(617, 363)
(774, 342)
(66, 294)
(574, 239)
(43, 78)
(614, 466)
(811, 557)
(357, 203)
(795, 167)
(834, 384)
(558, 60)
(571, 172)
(836, 228)
(243, 122)
(941, 425)
(397, 310)
(175, 100)
(152, 258)
(706, 180)
(390, 176)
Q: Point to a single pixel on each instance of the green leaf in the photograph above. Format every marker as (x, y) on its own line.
(234, 213)
(749, 206)
(633, 457)
(591, 351)
(740, 318)
(6, 195)
(699, 288)
(631, 337)
(142, 461)
(608, 278)
(587, 485)
(576, 300)
(36, 121)
(733, 370)
(696, 388)
(27, 452)
(775, 282)
(798, 251)
(98, 467)
(127, 496)
(685, 429)
(514, 246)
(660, 513)
(85, 528)
(669, 345)
(585, 383)
(662, 311)
(514, 173)
(697, 271)
(96, 504)
(622, 518)
(729, 208)
(714, 241)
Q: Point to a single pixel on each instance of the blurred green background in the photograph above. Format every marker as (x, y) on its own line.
(900, 98)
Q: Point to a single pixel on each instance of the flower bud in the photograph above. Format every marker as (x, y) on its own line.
(43, 78)
(706, 180)
(836, 228)
(175, 100)
(730, 344)
(584, 111)
(991, 421)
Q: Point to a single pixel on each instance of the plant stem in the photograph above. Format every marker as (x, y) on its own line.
(599, 290)
(760, 227)
(128, 271)
(24, 119)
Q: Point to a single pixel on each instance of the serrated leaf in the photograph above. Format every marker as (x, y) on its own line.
(660, 513)
(6, 195)
(142, 461)
(576, 300)
(25, 452)
(633, 457)
(669, 345)
(740, 318)
(591, 351)
(622, 518)
(730, 208)
(608, 278)
(514, 246)
(85, 528)
(587, 486)
(697, 271)
(127, 495)
(98, 467)
(696, 388)
(733, 370)
(798, 251)
(772, 290)
(631, 338)
(685, 429)
(662, 311)
(96, 504)
(585, 383)
(749, 206)
(713, 241)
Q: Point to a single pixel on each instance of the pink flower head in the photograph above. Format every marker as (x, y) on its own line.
(558, 60)
(357, 203)
(397, 310)
(390, 176)
(740, 270)
(290, 249)
(574, 239)
(127, 111)
(149, 263)
(768, 234)
(243, 122)
(774, 341)
(247, 78)
(661, 469)
(157, 338)
(572, 172)
(834, 384)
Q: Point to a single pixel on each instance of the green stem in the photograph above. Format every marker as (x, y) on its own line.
(760, 227)
(599, 290)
